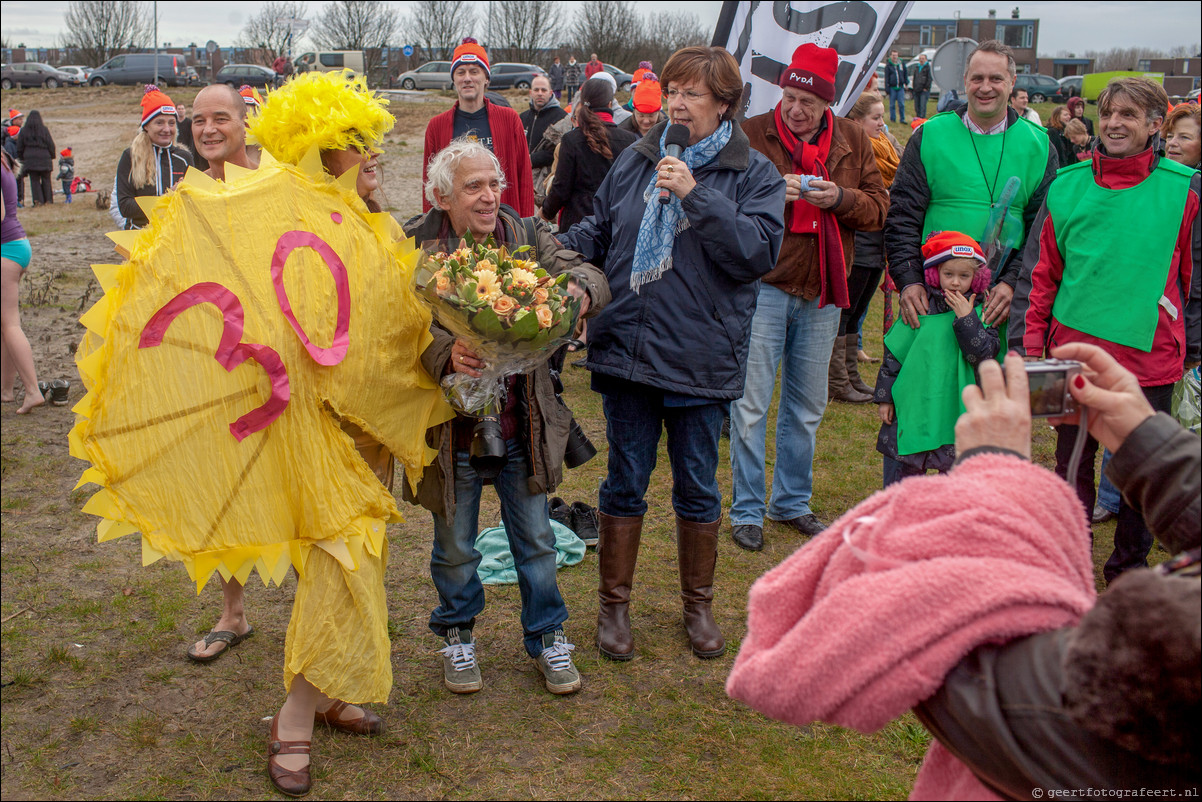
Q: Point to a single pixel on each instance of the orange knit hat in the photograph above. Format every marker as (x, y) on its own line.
(470, 52)
(250, 96)
(648, 96)
(154, 103)
(65, 153)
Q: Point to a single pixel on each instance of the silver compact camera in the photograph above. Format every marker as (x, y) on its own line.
(1049, 382)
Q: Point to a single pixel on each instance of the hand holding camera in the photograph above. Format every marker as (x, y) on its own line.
(1112, 393)
(998, 412)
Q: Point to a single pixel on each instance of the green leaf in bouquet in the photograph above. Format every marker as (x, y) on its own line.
(467, 292)
(540, 272)
(524, 329)
(488, 324)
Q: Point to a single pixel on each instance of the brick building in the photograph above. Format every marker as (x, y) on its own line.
(917, 35)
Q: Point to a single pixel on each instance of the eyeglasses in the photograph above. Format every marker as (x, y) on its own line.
(689, 96)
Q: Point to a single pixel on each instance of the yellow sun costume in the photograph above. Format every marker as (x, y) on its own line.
(260, 330)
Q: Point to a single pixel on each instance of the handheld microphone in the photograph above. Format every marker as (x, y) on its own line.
(675, 142)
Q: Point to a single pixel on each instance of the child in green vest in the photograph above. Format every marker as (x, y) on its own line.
(925, 369)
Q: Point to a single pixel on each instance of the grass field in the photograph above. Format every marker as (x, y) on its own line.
(98, 700)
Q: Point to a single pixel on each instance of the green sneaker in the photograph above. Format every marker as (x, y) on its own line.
(460, 673)
(555, 662)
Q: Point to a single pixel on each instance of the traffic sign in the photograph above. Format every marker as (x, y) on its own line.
(407, 50)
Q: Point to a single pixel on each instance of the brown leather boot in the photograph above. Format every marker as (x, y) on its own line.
(852, 351)
(838, 386)
(617, 552)
(697, 555)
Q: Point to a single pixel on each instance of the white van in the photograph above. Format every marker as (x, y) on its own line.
(330, 61)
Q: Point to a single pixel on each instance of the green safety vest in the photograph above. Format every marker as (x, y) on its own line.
(1117, 246)
(926, 397)
(960, 193)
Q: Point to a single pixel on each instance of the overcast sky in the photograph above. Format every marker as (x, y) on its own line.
(1069, 26)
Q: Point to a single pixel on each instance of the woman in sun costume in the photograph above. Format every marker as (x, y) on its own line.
(253, 369)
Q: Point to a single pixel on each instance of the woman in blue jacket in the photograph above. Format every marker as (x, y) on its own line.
(670, 349)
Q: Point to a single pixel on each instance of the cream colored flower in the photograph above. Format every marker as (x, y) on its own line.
(545, 316)
(488, 285)
(524, 277)
(541, 295)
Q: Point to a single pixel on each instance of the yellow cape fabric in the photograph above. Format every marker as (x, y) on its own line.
(155, 421)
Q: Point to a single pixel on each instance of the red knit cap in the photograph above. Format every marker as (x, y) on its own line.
(648, 96)
(943, 245)
(65, 153)
(813, 69)
(14, 115)
(250, 96)
(13, 130)
(154, 103)
(470, 52)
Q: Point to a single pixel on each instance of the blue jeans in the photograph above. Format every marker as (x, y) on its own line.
(797, 335)
(454, 559)
(1109, 497)
(897, 103)
(633, 423)
(920, 103)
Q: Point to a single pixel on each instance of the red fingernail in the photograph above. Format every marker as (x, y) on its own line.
(1079, 380)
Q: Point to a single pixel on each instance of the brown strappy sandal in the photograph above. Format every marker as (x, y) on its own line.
(367, 724)
(292, 782)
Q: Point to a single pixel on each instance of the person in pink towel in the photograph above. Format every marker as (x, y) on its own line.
(983, 617)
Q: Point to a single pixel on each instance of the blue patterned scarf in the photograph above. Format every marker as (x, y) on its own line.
(662, 222)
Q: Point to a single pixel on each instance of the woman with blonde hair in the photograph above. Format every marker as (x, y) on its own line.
(869, 263)
(152, 164)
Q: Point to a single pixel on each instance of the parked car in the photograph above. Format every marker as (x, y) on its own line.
(83, 73)
(1070, 85)
(131, 69)
(622, 79)
(329, 61)
(1041, 88)
(512, 75)
(35, 73)
(431, 75)
(256, 75)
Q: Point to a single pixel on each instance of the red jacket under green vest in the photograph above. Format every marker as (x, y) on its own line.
(1036, 327)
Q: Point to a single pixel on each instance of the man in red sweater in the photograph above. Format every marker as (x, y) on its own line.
(1111, 261)
(496, 127)
(593, 67)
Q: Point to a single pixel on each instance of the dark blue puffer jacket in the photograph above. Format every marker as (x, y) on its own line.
(687, 332)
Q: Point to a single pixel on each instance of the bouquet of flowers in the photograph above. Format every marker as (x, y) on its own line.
(511, 311)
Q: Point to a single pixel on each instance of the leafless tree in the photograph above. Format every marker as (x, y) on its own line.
(438, 26)
(367, 25)
(665, 33)
(612, 30)
(522, 29)
(265, 30)
(1127, 58)
(100, 30)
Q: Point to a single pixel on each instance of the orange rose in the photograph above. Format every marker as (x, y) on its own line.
(544, 315)
(442, 282)
(504, 306)
(540, 295)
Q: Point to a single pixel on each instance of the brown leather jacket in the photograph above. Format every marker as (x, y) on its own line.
(548, 420)
(852, 166)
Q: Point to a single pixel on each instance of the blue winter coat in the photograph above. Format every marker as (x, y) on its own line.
(687, 332)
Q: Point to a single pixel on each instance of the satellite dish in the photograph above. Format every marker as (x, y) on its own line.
(949, 63)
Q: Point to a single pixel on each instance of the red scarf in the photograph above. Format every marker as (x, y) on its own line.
(810, 159)
(605, 115)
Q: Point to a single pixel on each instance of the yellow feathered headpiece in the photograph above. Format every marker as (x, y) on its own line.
(326, 110)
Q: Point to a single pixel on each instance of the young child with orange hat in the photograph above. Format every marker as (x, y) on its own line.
(66, 171)
(926, 369)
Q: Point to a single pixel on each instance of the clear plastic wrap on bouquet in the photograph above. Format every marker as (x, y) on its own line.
(508, 309)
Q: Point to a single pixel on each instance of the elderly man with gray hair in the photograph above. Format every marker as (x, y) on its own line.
(464, 186)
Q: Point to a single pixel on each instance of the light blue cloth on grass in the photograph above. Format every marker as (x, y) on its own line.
(496, 564)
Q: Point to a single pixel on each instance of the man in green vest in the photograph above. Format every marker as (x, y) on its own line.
(1113, 259)
(953, 177)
